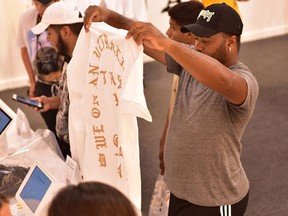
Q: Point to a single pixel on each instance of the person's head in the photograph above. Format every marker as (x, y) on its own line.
(63, 22)
(180, 15)
(48, 64)
(4, 206)
(218, 29)
(41, 5)
(90, 198)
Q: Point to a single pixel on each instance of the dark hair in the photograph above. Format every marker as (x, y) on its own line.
(75, 27)
(3, 199)
(91, 198)
(186, 12)
(44, 2)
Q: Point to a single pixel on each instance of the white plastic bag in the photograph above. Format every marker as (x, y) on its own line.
(42, 147)
(160, 198)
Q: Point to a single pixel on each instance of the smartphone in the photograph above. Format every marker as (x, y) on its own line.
(28, 101)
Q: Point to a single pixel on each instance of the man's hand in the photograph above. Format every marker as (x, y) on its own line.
(149, 35)
(45, 102)
(101, 14)
(94, 14)
(142, 32)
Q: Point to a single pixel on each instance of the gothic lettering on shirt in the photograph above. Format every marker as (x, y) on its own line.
(106, 77)
(115, 140)
(103, 43)
(120, 171)
(100, 74)
(102, 160)
(116, 99)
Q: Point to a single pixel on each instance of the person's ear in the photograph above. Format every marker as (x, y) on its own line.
(232, 42)
(65, 32)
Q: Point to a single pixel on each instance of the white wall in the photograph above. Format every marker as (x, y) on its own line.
(12, 72)
(261, 18)
(264, 18)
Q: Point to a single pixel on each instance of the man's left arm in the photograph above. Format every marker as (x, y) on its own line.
(203, 68)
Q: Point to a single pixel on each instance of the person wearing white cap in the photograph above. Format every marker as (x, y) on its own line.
(33, 50)
(215, 100)
(63, 22)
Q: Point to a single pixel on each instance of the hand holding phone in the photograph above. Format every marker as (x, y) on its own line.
(28, 101)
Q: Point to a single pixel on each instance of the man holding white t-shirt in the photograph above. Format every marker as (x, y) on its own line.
(63, 25)
(214, 103)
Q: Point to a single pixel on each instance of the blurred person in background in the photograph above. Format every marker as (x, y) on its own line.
(180, 15)
(40, 59)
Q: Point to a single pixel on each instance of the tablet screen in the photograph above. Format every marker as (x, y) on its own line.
(5, 120)
(35, 188)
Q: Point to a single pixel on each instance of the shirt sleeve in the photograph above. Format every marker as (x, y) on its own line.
(20, 38)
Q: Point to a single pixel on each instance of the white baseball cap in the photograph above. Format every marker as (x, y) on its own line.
(58, 13)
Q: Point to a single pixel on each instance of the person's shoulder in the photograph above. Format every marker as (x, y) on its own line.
(244, 70)
(239, 66)
(28, 18)
(29, 13)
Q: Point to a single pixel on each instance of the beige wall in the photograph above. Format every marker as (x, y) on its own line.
(261, 18)
(264, 18)
(12, 71)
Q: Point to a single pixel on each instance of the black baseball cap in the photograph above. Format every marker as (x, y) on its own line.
(44, 2)
(214, 19)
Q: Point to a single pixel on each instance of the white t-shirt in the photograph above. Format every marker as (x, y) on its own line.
(105, 84)
(26, 38)
(27, 20)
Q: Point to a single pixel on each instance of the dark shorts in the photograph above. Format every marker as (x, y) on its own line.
(180, 207)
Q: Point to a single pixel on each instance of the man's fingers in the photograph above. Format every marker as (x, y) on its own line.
(91, 15)
(137, 31)
(87, 19)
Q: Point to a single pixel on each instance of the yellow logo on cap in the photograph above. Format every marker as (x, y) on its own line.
(206, 14)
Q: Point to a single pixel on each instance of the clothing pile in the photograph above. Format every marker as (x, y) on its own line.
(11, 178)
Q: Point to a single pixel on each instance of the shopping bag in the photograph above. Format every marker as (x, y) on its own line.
(42, 147)
(160, 198)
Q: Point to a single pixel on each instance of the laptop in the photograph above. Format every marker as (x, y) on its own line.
(7, 115)
(36, 190)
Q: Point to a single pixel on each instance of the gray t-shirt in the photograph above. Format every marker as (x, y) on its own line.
(203, 148)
